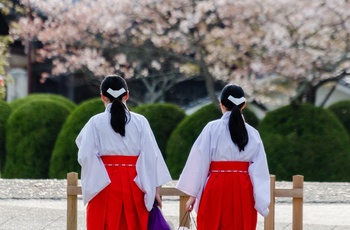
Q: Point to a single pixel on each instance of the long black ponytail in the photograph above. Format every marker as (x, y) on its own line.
(232, 97)
(115, 88)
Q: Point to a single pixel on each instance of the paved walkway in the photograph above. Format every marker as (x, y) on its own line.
(41, 204)
(51, 214)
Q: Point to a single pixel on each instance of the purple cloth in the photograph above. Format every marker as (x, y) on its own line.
(156, 220)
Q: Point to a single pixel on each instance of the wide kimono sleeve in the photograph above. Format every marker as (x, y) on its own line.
(151, 169)
(260, 178)
(94, 176)
(195, 173)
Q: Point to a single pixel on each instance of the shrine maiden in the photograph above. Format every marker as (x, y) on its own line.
(121, 164)
(226, 174)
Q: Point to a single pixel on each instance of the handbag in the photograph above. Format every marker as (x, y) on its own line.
(186, 218)
(156, 220)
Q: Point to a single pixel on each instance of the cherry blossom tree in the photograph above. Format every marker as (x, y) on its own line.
(265, 46)
(309, 42)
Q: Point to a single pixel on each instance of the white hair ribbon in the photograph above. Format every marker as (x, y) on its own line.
(116, 93)
(236, 101)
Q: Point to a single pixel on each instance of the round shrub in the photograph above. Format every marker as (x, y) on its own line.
(163, 119)
(342, 111)
(70, 105)
(64, 156)
(250, 117)
(5, 111)
(31, 131)
(306, 140)
(185, 134)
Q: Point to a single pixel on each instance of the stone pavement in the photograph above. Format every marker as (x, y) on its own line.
(41, 204)
(43, 214)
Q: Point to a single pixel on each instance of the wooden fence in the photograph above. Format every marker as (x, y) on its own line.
(73, 190)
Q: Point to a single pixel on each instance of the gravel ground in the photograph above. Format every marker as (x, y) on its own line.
(314, 192)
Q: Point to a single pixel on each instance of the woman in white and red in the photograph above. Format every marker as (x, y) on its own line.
(226, 174)
(122, 166)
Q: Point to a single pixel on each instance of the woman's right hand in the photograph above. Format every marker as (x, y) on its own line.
(190, 203)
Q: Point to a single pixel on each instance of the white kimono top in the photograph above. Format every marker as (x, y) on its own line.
(98, 138)
(215, 144)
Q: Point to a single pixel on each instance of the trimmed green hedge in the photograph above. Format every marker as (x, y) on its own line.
(163, 119)
(183, 137)
(64, 156)
(70, 105)
(31, 132)
(250, 117)
(5, 111)
(342, 111)
(306, 140)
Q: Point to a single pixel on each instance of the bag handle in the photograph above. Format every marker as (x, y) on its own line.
(187, 217)
(194, 221)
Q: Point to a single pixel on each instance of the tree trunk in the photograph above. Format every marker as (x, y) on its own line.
(307, 91)
(210, 84)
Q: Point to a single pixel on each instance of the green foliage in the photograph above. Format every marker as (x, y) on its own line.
(342, 111)
(250, 117)
(5, 111)
(183, 137)
(31, 131)
(70, 105)
(306, 140)
(10, 6)
(163, 119)
(64, 156)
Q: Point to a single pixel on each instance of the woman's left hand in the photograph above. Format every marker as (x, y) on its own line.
(158, 199)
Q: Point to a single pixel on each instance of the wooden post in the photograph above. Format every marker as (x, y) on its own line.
(72, 202)
(298, 182)
(269, 223)
(183, 221)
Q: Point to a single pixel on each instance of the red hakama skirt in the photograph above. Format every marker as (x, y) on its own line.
(227, 201)
(121, 204)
